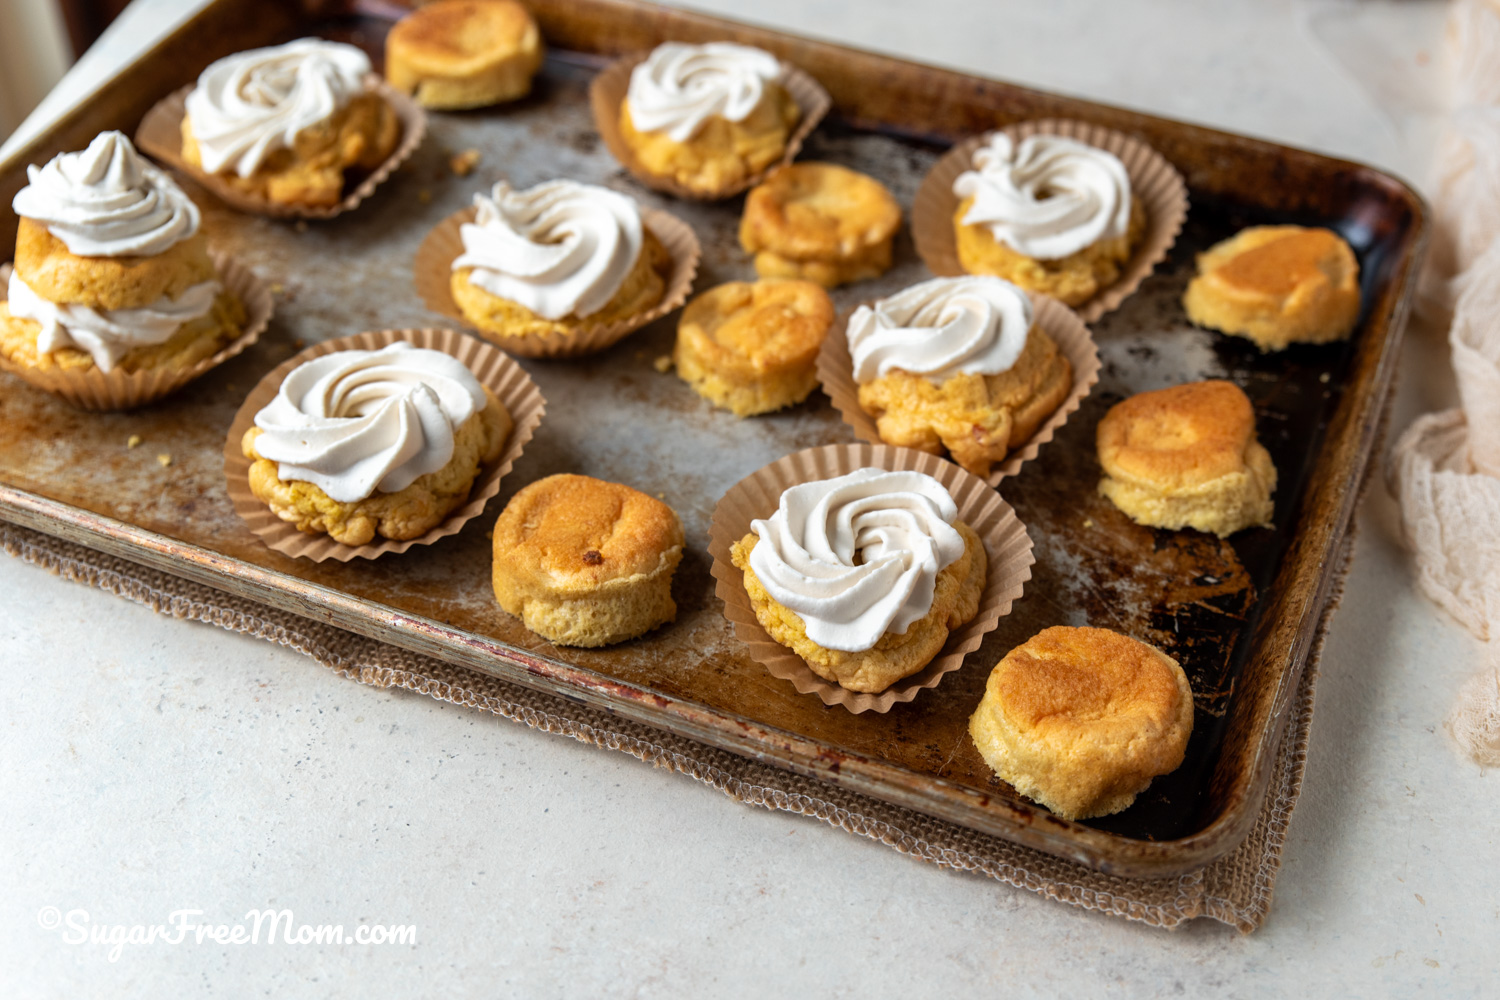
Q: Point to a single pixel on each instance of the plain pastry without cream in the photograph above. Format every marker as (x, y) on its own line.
(1082, 719)
(820, 222)
(1049, 213)
(863, 575)
(1276, 286)
(284, 123)
(751, 347)
(388, 442)
(707, 116)
(456, 54)
(112, 270)
(957, 364)
(1187, 457)
(584, 562)
(555, 257)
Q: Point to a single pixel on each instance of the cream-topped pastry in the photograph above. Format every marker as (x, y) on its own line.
(108, 201)
(857, 556)
(1047, 196)
(250, 104)
(941, 328)
(679, 87)
(560, 248)
(355, 422)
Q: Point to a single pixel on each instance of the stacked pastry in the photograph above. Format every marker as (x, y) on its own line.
(112, 269)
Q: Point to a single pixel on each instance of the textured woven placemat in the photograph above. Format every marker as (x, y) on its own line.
(1235, 890)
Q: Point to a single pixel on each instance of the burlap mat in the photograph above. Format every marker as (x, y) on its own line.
(1235, 890)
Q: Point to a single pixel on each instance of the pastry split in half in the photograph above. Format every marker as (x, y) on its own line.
(584, 562)
(863, 575)
(820, 222)
(554, 258)
(1050, 213)
(286, 123)
(112, 269)
(364, 443)
(455, 54)
(752, 347)
(1081, 719)
(708, 117)
(1276, 286)
(957, 364)
(1187, 457)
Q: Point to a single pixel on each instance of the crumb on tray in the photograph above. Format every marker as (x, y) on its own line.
(133, 440)
(463, 164)
(663, 364)
(164, 459)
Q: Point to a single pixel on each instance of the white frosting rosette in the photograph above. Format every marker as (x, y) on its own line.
(677, 88)
(940, 328)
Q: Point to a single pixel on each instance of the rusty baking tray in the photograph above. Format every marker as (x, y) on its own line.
(1240, 615)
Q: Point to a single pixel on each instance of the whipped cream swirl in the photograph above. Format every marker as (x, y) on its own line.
(679, 87)
(252, 103)
(941, 328)
(108, 334)
(354, 422)
(560, 249)
(108, 201)
(1047, 197)
(858, 556)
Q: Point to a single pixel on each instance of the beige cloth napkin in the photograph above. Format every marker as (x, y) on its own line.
(1444, 469)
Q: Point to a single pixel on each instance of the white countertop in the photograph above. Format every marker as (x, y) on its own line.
(152, 765)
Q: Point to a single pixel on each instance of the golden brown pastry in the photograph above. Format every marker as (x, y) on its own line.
(1277, 285)
(1187, 457)
(1081, 719)
(455, 54)
(751, 347)
(707, 117)
(820, 222)
(583, 562)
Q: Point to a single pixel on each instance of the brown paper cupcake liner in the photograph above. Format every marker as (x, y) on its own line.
(1006, 543)
(1153, 180)
(494, 369)
(432, 272)
(1063, 325)
(93, 389)
(160, 136)
(607, 93)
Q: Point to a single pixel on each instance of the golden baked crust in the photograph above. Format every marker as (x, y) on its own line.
(820, 222)
(1187, 457)
(979, 419)
(501, 318)
(202, 338)
(1277, 285)
(56, 274)
(359, 135)
(1072, 279)
(464, 53)
(583, 562)
(1081, 719)
(751, 347)
(724, 153)
(955, 600)
(406, 513)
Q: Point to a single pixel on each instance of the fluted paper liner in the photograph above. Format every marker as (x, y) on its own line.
(1063, 325)
(94, 389)
(607, 93)
(756, 496)
(432, 272)
(1158, 185)
(495, 370)
(160, 136)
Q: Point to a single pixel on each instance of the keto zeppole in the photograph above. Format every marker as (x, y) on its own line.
(708, 117)
(360, 443)
(1052, 214)
(555, 257)
(112, 270)
(863, 575)
(957, 364)
(285, 123)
